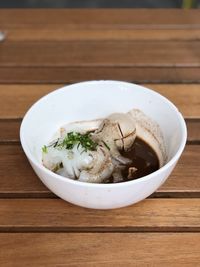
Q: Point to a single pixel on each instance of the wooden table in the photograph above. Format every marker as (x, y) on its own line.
(44, 49)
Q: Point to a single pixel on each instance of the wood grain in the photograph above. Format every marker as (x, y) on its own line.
(19, 180)
(188, 102)
(60, 34)
(100, 54)
(193, 128)
(16, 172)
(16, 99)
(128, 26)
(105, 17)
(100, 249)
(9, 130)
(44, 215)
(185, 96)
(82, 43)
(90, 27)
(39, 75)
(66, 33)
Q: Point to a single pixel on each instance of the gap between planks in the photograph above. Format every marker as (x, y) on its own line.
(92, 229)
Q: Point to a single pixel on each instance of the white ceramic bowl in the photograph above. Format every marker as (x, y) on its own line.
(90, 100)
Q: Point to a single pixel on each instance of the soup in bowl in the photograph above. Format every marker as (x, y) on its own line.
(103, 144)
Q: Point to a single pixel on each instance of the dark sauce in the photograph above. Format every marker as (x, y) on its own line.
(144, 159)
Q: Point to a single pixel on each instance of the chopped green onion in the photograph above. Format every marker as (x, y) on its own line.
(74, 138)
(44, 149)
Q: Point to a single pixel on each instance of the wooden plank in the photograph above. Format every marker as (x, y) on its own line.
(38, 75)
(16, 172)
(100, 25)
(186, 176)
(104, 54)
(103, 24)
(186, 97)
(9, 130)
(63, 33)
(193, 128)
(44, 215)
(100, 249)
(187, 102)
(16, 99)
(134, 17)
(19, 180)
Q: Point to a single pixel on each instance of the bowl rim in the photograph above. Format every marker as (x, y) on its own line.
(99, 185)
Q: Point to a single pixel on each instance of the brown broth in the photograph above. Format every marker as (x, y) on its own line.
(143, 158)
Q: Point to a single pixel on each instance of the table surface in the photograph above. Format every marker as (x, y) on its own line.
(44, 49)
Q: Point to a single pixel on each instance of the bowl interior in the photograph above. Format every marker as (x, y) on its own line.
(97, 99)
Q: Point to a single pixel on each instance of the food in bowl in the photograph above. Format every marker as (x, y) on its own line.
(86, 101)
(117, 148)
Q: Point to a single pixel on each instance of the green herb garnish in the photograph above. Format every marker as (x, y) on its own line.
(74, 138)
(44, 149)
